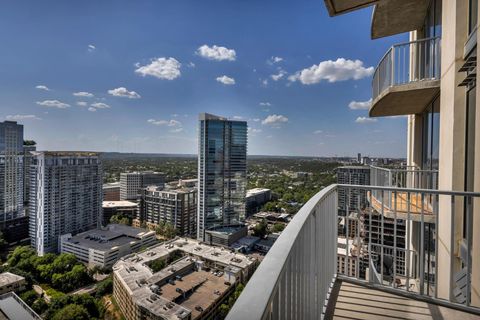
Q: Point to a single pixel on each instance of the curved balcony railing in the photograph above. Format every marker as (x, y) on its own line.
(296, 278)
(408, 62)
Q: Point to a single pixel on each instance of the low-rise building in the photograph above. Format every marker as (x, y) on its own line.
(11, 282)
(103, 247)
(12, 307)
(256, 198)
(111, 191)
(123, 208)
(225, 235)
(179, 279)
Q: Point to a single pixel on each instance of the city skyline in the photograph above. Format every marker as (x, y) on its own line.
(85, 90)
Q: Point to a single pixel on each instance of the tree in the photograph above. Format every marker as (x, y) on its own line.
(39, 306)
(71, 312)
(29, 143)
(157, 265)
(261, 229)
(105, 287)
(278, 227)
(64, 262)
(29, 297)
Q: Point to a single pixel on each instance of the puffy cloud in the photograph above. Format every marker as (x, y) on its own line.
(22, 117)
(123, 92)
(161, 68)
(333, 71)
(360, 105)
(226, 80)
(265, 104)
(53, 104)
(92, 109)
(83, 94)
(216, 53)
(100, 105)
(279, 75)
(253, 131)
(317, 132)
(42, 87)
(274, 60)
(91, 48)
(82, 103)
(365, 120)
(169, 123)
(275, 120)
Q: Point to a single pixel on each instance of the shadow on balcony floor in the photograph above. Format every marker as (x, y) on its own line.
(351, 301)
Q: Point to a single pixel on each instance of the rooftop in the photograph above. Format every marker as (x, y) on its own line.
(67, 153)
(12, 307)
(255, 191)
(119, 204)
(114, 235)
(7, 278)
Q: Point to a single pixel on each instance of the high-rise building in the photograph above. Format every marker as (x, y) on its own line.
(65, 196)
(359, 157)
(27, 161)
(131, 183)
(222, 173)
(177, 207)
(11, 172)
(353, 198)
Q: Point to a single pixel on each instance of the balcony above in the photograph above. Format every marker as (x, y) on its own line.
(389, 16)
(407, 78)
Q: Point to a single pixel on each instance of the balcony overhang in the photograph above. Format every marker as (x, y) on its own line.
(404, 99)
(397, 16)
(336, 7)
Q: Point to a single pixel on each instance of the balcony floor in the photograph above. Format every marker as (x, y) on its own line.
(351, 301)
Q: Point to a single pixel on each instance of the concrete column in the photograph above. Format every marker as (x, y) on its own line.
(452, 139)
(476, 204)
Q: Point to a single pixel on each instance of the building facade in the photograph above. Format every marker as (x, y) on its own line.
(121, 209)
(222, 172)
(353, 199)
(65, 196)
(177, 207)
(11, 172)
(132, 182)
(111, 191)
(256, 198)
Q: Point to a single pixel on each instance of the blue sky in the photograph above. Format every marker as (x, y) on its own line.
(143, 70)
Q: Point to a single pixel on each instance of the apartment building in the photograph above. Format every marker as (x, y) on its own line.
(103, 247)
(132, 182)
(353, 199)
(430, 79)
(222, 172)
(65, 196)
(11, 172)
(177, 207)
(111, 191)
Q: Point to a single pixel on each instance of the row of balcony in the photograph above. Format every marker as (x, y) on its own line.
(390, 249)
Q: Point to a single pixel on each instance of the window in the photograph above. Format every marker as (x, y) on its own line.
(472, 15)
(431, 131)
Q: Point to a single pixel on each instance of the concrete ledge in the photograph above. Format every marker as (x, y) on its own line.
(336, 7)
(405, 99)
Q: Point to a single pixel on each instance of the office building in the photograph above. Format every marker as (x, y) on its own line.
(103, 247)
(177, 207)
(27, 161)
(256, 198)
(354, 199)
(359, 157)
(121, 209)
(111, 191)
(222, 172)
(179, 279)
(66, 196)
(11, 173)
(131, 183)
(430, 79)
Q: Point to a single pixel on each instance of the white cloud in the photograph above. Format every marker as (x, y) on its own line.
(333, 71)
(123, 92)
(42, 87)
(317, 132)
(22, 117)
(83, 94)
(265, 104)
(265, 82)
(279, 75)
(53, 104)
(273, 60)
(253, 130)
(360, 105)
(82, 103)
(191, 65)
(216, 53)
(161, 68)
(274, 119)
(100, 105)
(169, 123)
(256, 120)
(365, 120)
(92, 109)
(226, 80)
(176, 130)
(91, 48)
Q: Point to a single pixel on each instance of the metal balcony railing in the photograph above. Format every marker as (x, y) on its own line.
(398, 255)
(408, 62)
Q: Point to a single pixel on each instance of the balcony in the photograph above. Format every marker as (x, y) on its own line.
(300, 278)
(407, 78)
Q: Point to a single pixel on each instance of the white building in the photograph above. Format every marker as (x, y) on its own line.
(103, 247)
(66, 189)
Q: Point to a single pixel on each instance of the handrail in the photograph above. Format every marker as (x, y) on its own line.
(255, 300)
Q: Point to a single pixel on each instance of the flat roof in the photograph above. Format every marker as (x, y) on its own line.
(12, 307)
(114, 235)
(118, 204)
(67, 153)
(7, 278)
(257, 191)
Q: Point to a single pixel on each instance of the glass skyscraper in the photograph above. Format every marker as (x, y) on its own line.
(222, 173)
